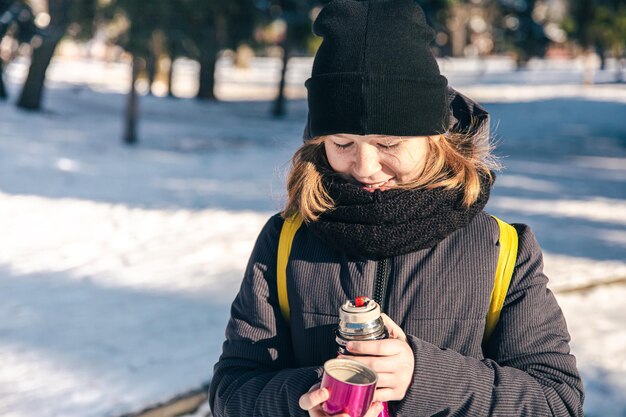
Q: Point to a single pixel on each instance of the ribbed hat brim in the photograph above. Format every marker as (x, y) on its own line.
(362, 105)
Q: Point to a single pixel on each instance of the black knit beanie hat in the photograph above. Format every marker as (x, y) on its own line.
(374, 72)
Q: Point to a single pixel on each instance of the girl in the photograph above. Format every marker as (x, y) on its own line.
(391, 183)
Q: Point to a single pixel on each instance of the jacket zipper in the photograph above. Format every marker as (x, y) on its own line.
(383, 270)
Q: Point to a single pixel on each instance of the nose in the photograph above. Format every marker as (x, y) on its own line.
(367, 161)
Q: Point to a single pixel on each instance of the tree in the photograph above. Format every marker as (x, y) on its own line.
(16, 20)
(579, 22)
(131, 114)
(5, 21)
(600, 24)
(198, 28)
(138, 25)
(607, 31)
(32, 91)
(296, 16)
(438, 16)
(522, 33)
(62, 13)
(213, 26)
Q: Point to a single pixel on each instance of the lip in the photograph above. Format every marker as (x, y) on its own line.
(383, 185)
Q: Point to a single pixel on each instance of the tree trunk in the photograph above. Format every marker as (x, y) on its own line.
(279, 104)
(170, 79)
(619, 77)
(151, 70)
(602, 54)
(208, 60)
(3, 91)
(459, 19)
(32, 91)
(132, 105)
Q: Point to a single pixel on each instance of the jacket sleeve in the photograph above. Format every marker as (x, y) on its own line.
(255, 375)
(528, 369)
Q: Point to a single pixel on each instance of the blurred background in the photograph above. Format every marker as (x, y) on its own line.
(143, 145)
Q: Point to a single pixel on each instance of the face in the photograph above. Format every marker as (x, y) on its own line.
(377, 161)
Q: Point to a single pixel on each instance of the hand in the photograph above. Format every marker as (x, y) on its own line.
(392, 359)
(312, 402)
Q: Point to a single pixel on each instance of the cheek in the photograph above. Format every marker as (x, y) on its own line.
(338, 162)
(411, 165)
(405, 170)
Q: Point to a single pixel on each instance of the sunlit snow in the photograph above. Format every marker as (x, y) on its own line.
(118, 264)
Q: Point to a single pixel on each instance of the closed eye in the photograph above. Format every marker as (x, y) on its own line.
(343, 145)
(388, 145)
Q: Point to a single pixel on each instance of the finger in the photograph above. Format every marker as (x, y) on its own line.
(379, 364)
(313, 398)
(374, 410)
(385, 347)
(386, 394)
(387, 380)
(395, 331)
(318, 412)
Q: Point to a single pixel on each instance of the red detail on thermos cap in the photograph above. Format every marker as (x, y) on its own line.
(360, 301)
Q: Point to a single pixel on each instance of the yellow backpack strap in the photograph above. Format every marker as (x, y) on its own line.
(504, 270)
(287, 233)
(504, 273)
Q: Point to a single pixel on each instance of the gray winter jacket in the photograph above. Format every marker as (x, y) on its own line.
(439, 296)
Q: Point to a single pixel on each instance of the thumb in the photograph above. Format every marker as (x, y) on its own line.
(395, 332)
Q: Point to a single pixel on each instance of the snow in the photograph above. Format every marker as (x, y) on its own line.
(118, 264)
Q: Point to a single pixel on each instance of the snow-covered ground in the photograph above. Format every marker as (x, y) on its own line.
(118, 264)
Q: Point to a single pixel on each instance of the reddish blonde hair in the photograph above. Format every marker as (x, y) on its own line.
(454, 161)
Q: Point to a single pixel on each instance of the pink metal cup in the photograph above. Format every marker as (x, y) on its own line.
(350, 385)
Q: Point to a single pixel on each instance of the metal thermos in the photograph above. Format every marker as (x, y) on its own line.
(360, 319)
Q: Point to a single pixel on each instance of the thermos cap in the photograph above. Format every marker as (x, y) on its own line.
(362, 310)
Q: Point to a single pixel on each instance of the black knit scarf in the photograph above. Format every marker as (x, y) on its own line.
(381, 224)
